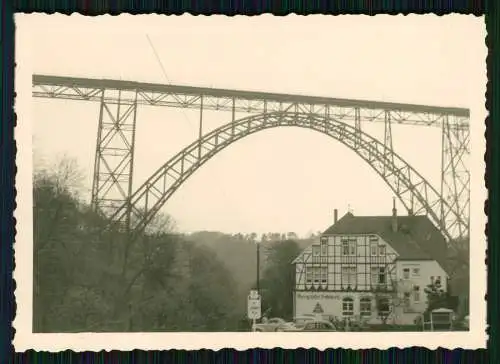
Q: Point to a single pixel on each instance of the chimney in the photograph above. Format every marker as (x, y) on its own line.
(335, 216)
(394, 215)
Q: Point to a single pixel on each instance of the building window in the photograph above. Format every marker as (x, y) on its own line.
(349, 246)
(416, 272)
(381, 275)
(374, 276)
(373, 245)
(309, 275)
(437, 282)
(378, 275)
(416, 294)
(349, 276)
(381, 250)
(345, 247)
(406, 273)
(324, 276)
(324, 248)
(365, 307)
(347, 306)
(315, 253)
(406, 299)
(384, 307)
(316, 274)
(352, 245)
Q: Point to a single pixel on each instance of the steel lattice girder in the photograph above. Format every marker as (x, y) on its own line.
(413, 190)
(113, 167)
(244, 101)
(455, 178)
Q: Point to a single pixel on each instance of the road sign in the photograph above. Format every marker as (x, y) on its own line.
(318, 308)
(254, 306)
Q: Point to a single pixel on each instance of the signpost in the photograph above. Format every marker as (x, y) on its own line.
(254, 306)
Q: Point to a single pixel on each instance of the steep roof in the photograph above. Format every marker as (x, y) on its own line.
(416, 237)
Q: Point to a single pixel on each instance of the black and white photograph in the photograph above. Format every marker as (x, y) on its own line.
(208, 182)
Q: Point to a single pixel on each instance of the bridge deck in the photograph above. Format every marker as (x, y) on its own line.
(101, 84)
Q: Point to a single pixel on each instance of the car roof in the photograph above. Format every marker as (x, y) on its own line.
(322, 322)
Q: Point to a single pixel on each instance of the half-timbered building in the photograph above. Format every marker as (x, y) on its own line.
(360, 261)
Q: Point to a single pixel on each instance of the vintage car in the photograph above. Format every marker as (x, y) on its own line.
(271, 325)
(312, 325)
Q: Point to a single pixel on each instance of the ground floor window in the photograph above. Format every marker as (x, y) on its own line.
(347, 306)
(406, 299)
(383, 306)
(365, 306)
(416, 293)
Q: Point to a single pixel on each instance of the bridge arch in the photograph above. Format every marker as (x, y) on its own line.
(414, 191)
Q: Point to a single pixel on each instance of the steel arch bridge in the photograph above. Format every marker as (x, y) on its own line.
(340, 119)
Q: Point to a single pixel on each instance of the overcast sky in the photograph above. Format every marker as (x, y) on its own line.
(283, 179)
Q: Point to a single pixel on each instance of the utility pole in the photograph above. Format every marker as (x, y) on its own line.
(258, 267)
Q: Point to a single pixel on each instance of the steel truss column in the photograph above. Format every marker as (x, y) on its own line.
(455, 177)
(388, 150)
(357, 125)
(114, 157)
(200, 128)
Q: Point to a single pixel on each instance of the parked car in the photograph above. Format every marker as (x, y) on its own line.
(312, 325)
(273, 324)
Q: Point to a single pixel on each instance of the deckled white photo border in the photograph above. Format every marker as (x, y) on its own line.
(24, 338)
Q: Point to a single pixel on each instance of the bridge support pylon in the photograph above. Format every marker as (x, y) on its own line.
(114, 155)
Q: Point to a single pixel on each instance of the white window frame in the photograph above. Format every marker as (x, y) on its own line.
(309, 275)
(347, 307)
(316, 275)
(324, 247)
(416, 294)
(365, 302)
(406, 299)
(349, 275)
(382, 272)
(324, 275)
(438, 280)
(345, 247)
(406, 273)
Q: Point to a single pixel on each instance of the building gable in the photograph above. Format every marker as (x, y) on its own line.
(415, 237)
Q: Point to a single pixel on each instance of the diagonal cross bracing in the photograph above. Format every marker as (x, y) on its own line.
(413, 190)
(114, 161)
